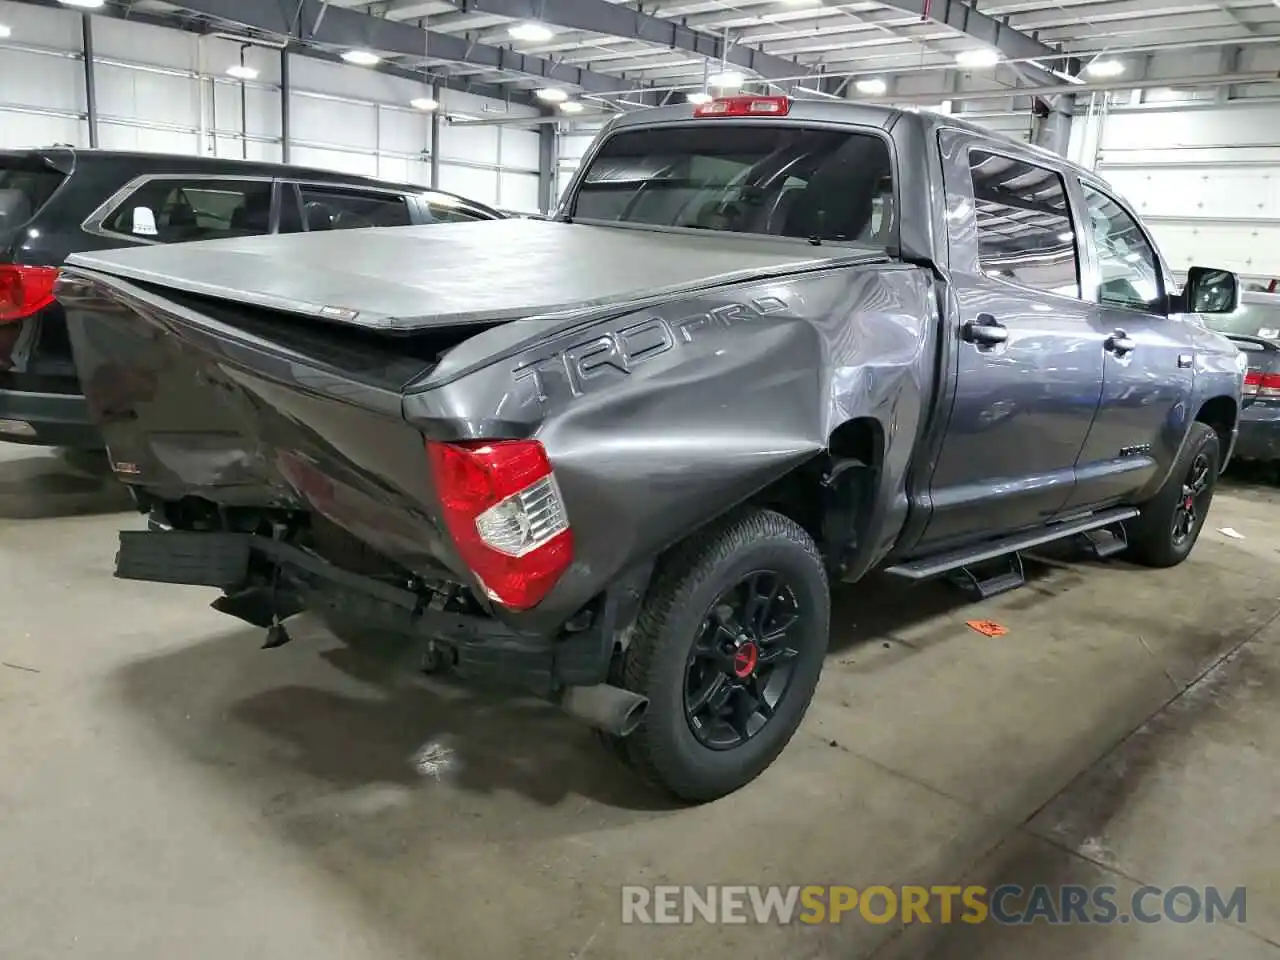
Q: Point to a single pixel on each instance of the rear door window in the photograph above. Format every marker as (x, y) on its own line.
(781, 180)
(26, 184)
(347, 208)
(1025, 234)
(181, 210)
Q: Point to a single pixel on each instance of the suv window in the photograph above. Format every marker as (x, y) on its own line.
(447, 210)
(26, 185)
(341, 208)
(787, 181)
(1129, 273)
(179, 210)
(1024, 224)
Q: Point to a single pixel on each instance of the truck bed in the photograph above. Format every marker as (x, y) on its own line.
(406, 279)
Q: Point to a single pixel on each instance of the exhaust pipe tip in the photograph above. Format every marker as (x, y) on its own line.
(606, 707)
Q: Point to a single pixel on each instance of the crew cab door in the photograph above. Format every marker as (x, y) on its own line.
(1148, 361)
(1028, 357)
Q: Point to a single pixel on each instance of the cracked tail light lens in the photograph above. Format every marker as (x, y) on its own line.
(506, 516)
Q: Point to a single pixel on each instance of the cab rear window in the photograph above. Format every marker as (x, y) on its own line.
(776, 179)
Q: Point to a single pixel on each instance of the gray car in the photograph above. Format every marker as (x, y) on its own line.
(616, 457)
(1255, 329)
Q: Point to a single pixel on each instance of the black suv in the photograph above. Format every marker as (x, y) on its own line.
(60, 200)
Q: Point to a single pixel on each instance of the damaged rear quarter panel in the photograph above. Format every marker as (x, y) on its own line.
(659, 420)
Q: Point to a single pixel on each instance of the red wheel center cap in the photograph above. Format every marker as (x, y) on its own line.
(745, 659)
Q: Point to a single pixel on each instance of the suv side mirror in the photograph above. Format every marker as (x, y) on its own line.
(1210, 290)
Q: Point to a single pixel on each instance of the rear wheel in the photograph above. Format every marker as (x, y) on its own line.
(1170, 522)
(728, 648)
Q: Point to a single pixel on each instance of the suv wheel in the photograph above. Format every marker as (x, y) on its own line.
(728, 648)
(1170, 522)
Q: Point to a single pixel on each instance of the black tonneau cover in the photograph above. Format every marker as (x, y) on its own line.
(405, 279)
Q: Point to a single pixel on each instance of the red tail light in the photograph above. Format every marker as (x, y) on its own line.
(1263, 383)
(505, 514)
(745, 107)
(24, 290)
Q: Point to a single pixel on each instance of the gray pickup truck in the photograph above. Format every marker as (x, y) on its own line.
(617, 456)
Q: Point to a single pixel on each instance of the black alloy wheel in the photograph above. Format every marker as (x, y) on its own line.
(1169, 523)
(1190, 508)
(741, 662)
(728, 648)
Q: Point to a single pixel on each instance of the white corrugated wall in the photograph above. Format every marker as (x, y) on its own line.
(166, 90)
(1202, 169)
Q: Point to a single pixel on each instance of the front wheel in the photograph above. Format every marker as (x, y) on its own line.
(1170, 522)
(728, 648)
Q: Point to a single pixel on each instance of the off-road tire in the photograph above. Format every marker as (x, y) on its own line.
(663, 749)
(1152, 542)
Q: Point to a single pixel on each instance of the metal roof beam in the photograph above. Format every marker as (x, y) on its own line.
(1013, 44)
(175, 22)
(617, 20)
(312, 21)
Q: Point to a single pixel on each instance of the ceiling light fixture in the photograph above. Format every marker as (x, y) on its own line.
(874, 87)
(1104, 68)
(551, 95)
(698, 98)
(531, 32)
(84, 4)
(571, 106)
(361, 58)
(242, 72)
(726, 78)
(5, 32)
(978, 57)
(426, 104)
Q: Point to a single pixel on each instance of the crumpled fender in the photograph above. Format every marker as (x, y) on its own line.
(659, 420)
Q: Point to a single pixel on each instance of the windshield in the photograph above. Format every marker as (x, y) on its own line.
(1251, 320)
(781, 180)
(26, 185)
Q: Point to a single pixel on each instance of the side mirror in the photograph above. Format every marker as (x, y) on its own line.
(1210, 290)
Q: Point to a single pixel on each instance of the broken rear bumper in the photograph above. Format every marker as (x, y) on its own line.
(262, 578)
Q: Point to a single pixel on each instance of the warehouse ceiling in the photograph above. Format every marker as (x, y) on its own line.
(655, 50)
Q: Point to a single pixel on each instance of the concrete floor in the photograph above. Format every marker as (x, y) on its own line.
(168, 790)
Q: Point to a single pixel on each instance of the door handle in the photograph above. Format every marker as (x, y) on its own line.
(1120, 343)
(985, 329)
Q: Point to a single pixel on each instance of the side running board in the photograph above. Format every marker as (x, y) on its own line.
(930, 566)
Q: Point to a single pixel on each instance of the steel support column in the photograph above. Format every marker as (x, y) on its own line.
(548, 161)
(90, 79)
(1053, 132)
(286, 112)
(436, 127)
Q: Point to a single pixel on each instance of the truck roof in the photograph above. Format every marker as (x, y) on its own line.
(857, 112)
